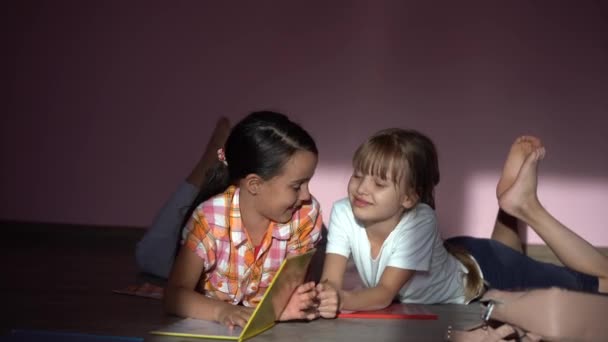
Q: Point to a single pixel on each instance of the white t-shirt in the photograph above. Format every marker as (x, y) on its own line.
(414, 244)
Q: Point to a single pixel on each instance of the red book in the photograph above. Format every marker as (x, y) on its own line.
(393, 311)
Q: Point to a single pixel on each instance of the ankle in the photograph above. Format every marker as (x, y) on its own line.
(531, 208)
(531, 213)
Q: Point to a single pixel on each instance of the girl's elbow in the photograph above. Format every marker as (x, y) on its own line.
(167, 304)
(379, 305)
(387, 299)
(170, 300)
(385, 303)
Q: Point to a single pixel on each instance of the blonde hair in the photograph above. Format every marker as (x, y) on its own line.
(474, 281)
(406, 155)
(403, 155)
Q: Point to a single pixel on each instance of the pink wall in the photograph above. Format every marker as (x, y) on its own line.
(110, 101)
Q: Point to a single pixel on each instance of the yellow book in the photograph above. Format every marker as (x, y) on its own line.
(290, 275)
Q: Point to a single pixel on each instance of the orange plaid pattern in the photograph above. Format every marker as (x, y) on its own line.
(232, 272)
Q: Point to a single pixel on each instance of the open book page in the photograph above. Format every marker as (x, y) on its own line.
(190, 327)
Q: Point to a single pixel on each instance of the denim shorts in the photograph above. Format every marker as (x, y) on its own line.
(507, 269)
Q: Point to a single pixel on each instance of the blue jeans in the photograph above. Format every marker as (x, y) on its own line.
(156, 250)
(506, 269)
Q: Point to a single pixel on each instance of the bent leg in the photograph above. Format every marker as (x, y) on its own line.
(506, 269)
(521, 201)
(508, 229)
(155, 252)
(218, 139)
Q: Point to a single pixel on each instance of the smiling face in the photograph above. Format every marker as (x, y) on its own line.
(377, 199)
(280, 196)
(382, 186)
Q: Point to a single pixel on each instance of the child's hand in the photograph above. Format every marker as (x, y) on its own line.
(301, 304)
(329, 300)
(231, 315)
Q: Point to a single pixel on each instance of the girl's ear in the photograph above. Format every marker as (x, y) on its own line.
(253, 183)
(410, 199)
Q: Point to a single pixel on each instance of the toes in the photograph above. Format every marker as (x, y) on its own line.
(541, 152)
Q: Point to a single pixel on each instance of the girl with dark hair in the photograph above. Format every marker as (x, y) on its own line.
(254, 210)
(389, 226)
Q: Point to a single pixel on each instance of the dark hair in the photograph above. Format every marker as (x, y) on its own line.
(403, 155)
(261, 143)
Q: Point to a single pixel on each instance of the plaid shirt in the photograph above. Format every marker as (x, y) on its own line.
(231, 271)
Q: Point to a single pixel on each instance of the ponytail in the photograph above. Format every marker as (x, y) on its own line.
(474, 281)
(261, 143)
(216, 181)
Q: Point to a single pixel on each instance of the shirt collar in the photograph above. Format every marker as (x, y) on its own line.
(280, 231)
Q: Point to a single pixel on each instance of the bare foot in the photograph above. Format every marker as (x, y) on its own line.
(521, 196)
(520, 149)
(218, 139)
(508, 229)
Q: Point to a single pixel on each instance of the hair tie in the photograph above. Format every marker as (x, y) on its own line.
(221, 156)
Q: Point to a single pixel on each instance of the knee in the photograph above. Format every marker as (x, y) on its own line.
(152, 260)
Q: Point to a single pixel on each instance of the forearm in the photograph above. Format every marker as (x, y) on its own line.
(374, 298)
(189, 303)
(557, 314)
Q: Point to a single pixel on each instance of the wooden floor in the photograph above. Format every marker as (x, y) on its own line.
(60, 278)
